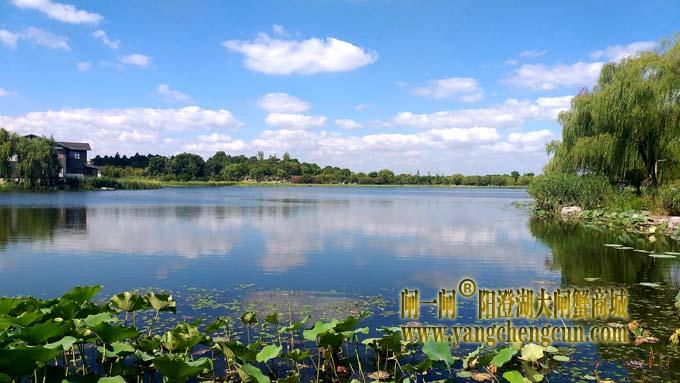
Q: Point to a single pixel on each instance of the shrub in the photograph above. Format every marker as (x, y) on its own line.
(102, 182)
(138, 184)
(628, 200)
(554, 191)
(670, 198)
(121, 172)
(121, 184)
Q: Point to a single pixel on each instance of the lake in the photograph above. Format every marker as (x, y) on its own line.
(330, 250)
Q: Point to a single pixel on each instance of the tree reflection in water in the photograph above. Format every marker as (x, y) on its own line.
(578, 253)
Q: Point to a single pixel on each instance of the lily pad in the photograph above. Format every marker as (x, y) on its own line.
(561, 358)
(661, 256)
(503, 356)
(438, 352)
(513, 376)
(649, 284)
(551, 349)
(612, 245)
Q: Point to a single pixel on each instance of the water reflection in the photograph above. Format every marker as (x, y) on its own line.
(355, 241)
(281, 231)
(579, 253)
(39, 224)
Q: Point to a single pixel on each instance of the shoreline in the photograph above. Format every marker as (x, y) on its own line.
(130, 184)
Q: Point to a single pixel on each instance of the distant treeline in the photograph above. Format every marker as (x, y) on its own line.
(224, 167)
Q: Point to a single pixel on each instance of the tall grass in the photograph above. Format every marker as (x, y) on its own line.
(196, 183)
(554, 191)
(92, 183)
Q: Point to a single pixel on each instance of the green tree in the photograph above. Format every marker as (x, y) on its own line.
(385, 176)
(158, 166)
(37, 163)
(215, 164)
(187, 166)
(234, 172)
(630, 120)
(515, 175)
(7, 150)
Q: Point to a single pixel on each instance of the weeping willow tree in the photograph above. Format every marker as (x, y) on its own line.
(37, 164)
(628, 123)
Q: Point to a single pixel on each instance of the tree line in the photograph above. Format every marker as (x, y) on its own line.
(225, 167)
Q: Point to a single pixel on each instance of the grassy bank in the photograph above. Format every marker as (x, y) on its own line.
(196, 183)
(139, 183)
(646, 211)
(341, 185)
(88, 183)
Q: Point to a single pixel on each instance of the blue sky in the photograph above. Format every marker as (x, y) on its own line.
(436, 86)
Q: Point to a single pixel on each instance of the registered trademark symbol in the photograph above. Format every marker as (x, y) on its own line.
(467, 287)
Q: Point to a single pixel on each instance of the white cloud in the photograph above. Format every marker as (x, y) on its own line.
(346, 123)
(3, 92)
(620, 52)
(530, 137)
(66, 13)
(280, 56)
(543, 77)
(84, 66)
(511, 62)
(476, 149)
(172, 95)
(207, 145)
(136, 136)
(105, 39)
(473, 150)
(279, 30)
(579, 74)
(533, 141)
(294, 121)
(467, 89)
(40, 37)
(137, 59)
(512, 113)
(363, 106)
(533, 53)
(122, 130)
(8, 39)
(282, 103)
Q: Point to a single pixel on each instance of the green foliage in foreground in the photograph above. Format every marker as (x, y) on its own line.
(554, 191)
(73, 339)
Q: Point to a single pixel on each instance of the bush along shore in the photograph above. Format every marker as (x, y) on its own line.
(592, 199)
(74, 339)
(87, 183)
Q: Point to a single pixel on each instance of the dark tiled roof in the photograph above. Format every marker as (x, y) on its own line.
(75, 145)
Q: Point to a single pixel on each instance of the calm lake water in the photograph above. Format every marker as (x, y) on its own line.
(329, 248)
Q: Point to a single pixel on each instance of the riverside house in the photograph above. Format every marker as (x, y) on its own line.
(72, 157)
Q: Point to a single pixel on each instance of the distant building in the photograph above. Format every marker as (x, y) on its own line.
(72, 157)
(73, 160)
